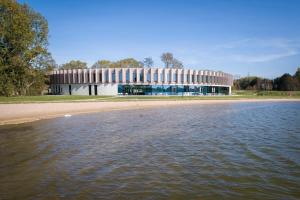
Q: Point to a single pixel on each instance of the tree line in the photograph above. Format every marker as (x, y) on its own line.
(286, 82)
(167, 58)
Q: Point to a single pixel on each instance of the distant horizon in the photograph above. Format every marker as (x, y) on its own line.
(257, 38)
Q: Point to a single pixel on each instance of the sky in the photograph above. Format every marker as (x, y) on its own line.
(257, 37)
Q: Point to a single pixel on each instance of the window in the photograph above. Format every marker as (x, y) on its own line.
(100, 76)
(94, 77)
(175, 77)
(127, 76)
(156, 77)
(134, 76)
(120, 76)
(182, 77)
(113, 76)
(106, 76)
(188, 78)
(82, 77)
(141, 76)
(193, 78)
(161, 77)
(148, 76)
(169, 77)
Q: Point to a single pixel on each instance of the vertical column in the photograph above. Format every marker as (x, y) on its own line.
(145, 74)
(138, 71)
(151, 75)
(158, 75)
(165, 75)
(130, 75)
(73, 76)
(97, 75)
(123, 75)
(195, 77)
(178, 76)
(117, 75)
(109, 75)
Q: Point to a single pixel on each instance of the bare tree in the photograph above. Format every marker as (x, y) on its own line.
(177, 64)
(148, 62)
(167, 58)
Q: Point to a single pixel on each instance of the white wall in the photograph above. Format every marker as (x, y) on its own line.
(83, 89)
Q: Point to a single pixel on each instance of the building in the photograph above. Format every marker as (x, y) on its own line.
(140, 81)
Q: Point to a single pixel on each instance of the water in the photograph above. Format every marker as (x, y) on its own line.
(224, 151)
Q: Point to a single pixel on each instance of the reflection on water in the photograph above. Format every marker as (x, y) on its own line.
(233, 151)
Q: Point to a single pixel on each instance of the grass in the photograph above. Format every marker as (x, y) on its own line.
(241, 94)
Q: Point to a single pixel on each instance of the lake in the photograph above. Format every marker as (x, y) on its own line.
(223, 151)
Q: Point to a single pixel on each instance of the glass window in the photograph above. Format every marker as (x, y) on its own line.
(188, 78)
(169, 77)
(148, 76)
(182, 78)
(113, 76)
(155, 76)
(175, 77)
(94, 77)
(193, 78)
(134, 76)
(161, 77)
(120, 76)
(127, 76)
(106, 76)
(142, 76)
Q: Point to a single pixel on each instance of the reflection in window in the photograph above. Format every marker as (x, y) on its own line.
(106, 76)
(142, 76)
(113, 76)
(127, 76)
(120, 76)
(161, 77)
(156, 77)
(134, 76)
(148, 76)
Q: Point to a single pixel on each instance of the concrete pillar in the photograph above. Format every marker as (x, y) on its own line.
(138, 71)
(109, 75)
(151, 75)
(123, 75)
(117, 74)
(130, 75)
(145, 74)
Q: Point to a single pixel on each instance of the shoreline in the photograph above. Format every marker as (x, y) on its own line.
(29, 112)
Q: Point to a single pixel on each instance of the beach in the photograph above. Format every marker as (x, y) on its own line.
(28, 112)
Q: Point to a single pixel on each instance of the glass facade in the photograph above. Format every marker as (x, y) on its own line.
(171, 90)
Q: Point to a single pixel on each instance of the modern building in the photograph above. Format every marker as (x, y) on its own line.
(140, 81)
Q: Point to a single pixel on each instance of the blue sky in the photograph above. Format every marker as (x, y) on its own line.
(240, 37)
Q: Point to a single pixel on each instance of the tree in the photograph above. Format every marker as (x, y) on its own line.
(167, 58)
(127, 63)
(286, 83)
(102, 64)
(148, 62)
(23, 42)
(177, 64)
(74, 64)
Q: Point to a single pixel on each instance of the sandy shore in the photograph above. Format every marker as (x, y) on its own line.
(21, 113)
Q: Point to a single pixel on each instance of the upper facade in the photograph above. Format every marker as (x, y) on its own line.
(141, 76)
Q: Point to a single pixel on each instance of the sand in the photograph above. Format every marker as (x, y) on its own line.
(21, 113)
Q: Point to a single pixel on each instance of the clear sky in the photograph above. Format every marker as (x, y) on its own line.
(237, 36)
